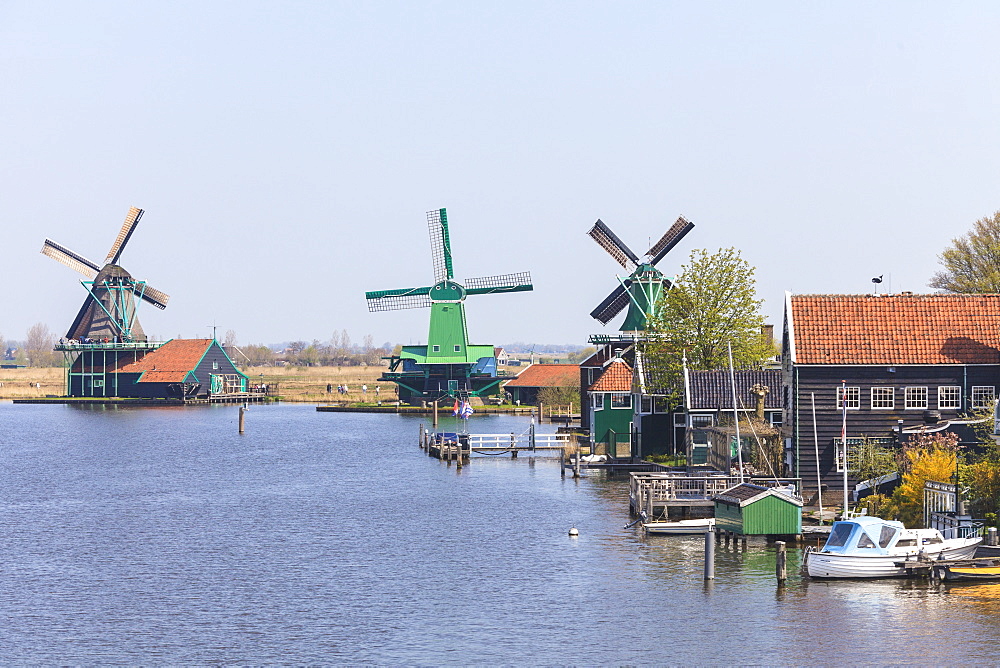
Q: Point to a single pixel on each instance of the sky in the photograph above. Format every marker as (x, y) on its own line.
(285, 154)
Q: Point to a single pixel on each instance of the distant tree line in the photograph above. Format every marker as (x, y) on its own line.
(338, 351)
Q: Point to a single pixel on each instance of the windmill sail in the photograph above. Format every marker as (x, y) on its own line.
(437, 226)
(396, 300)
(128, 227)
(153, 296)
(518, 282)
(614, 246)
(672, 237)
(69, 258)
(612, 305)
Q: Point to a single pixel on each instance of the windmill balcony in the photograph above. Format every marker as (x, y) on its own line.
(73, 345)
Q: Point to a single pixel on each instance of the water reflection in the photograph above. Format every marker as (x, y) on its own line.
(162, 535)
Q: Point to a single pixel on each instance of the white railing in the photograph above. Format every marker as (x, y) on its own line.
(496, 441)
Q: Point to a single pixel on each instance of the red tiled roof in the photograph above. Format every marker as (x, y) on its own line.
(171, 362)
(548, 375)
(895, 329)
(617, 377)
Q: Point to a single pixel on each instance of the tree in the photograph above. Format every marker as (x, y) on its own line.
(972, 262)
(567, 395)
(712, 304)
(38, 345)
(926, 457)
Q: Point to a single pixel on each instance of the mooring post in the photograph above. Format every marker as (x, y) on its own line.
(562, 462)
(435, 413)
(709, 555)
(420, 436)
(781, 562)
(576, 470)
(458, 451)
(991, 537)
(243, 410)
(541, 412)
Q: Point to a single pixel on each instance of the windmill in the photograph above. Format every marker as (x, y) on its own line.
(448, 363)
(109, 311)
(645, 282)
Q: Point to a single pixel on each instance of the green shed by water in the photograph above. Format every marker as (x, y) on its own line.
(754, 510)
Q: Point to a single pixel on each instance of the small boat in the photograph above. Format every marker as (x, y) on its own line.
(979, 569)
(680, 527)
(870, 547)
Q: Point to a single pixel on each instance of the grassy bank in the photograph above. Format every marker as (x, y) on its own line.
(294, 383)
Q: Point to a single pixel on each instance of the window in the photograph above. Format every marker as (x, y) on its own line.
(865, 541)
(591, 376)
(98, 382)
(838, 452)
(915, 398)
(436, 349)
(886, 536)
(646, 405)
(982, 396)
(621, 400)
(458, 349)
(215, 366)
(839, 535)
(883, 397)
(853, 397)
(661, 405)
(701, 421)
(775, 419)
(597, 401)
(949, 397)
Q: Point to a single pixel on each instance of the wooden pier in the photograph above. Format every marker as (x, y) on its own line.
(449, 446)
(655, 494)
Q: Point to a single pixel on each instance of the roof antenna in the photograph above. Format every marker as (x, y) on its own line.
(876, 281)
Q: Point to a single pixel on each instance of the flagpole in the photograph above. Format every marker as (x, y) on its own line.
(843, 439)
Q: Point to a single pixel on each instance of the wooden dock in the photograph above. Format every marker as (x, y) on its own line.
(655, 494)
(456, 447)
(231, 398)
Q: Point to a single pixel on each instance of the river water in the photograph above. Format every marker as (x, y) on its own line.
(162, 536)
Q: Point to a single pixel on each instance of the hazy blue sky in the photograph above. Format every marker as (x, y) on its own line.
(285, 153)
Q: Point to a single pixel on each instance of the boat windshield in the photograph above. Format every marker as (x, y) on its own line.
(888, 533)
(839, 535)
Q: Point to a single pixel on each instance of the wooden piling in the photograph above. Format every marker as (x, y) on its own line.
(420, 436)
(991, 537)
(243, 410)
(435, 414)
(780, 562)
(709, 555)
(458, 453)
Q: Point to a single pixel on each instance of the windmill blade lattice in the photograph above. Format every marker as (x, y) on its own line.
(151, 295)
(437, 226)
(397, 300)
(672, 237)
(612, 305)
(521, 281)
(70, 259)
(614, 246)
(128, 227)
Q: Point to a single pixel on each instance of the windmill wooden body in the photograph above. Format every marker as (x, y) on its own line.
(448, 365)
(105, 332)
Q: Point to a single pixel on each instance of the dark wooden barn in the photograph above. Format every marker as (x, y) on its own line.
(525, 387)
(907, 360)
(178, 369)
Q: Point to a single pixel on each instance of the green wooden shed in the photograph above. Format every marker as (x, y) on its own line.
(754, 510)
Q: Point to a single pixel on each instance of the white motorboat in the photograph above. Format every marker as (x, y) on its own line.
(680, 527)
(870, 547)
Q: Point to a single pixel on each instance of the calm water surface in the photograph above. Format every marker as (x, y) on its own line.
(160, 535)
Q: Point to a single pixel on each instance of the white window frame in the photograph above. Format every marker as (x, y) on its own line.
(616, 397)
(952, 403)
(838, 453)
(912, 396)
(435, 349)
(458, 348)
(981, 399)
(853, 398)
(883, 403)
(645, 405)
(597, 401)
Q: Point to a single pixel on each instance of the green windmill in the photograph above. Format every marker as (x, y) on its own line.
(448, 364)
(645, 283)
